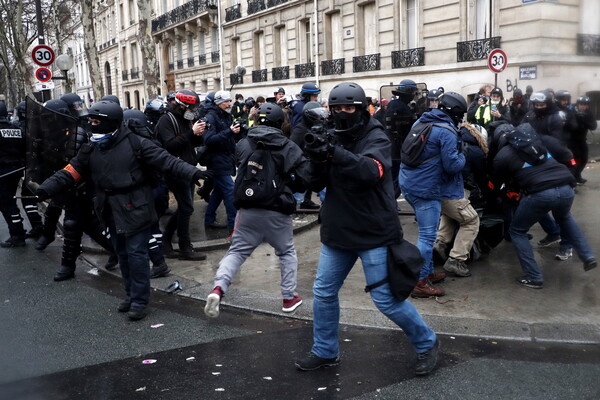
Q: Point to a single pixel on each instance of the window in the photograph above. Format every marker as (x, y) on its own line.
(333, 35)
(367, 29)
(411, 24)
(304, 42)
(122, 16)
(134, 56)
(131, 12)
(214, 39)
(235, 52)
(260, 60)
(190, 46)
(483, 19)
(281, 46)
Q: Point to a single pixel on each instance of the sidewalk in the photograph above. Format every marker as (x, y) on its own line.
(488, 304)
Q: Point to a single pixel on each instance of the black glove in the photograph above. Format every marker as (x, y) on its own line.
(41, 195)
(319, 152)
(204, 175)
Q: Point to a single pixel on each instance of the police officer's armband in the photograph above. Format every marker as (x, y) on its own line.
(379, 167)
(73, 172)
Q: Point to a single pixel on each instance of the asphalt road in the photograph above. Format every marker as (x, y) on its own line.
(66, 341)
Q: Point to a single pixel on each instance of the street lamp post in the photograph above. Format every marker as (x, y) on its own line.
(64, 62)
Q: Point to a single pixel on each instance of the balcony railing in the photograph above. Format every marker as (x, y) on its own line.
(214, 56)
(124, 75)
(479, 49)
(179, 64)
(182, 13)
(135, 73)
(333, 67)
(408, 58)
(232, 13)
(190, 62)
(305, 70)
(588, 45)
(369, 62)
(255, 6)
(236, 79)
(201, 59)
(273, 3)
(259, 75)
(280, 73)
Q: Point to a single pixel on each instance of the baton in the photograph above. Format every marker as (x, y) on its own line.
(12, 172)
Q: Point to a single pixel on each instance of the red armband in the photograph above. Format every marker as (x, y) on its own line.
(572, 162)
(69, 168)
(380, 167)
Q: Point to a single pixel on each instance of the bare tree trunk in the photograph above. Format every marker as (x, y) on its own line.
(91, 47)
(20, 52)
(150, 70)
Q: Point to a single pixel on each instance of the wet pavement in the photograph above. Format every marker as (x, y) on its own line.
(488, 304)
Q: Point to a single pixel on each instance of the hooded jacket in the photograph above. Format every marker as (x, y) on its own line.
(440, 177)
(359, 211)
(220, 141)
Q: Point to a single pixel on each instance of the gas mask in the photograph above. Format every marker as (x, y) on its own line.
(190, 115)
(347, 122)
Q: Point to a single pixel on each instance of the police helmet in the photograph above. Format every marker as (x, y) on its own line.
(309, 88)
(563, 95)
(108, 113)
(435, 94)
(210, 97)
(187, 98)
(250, 102)
(21, 110)
(406, 86)
(348, 93)
(583, 100)
(135, 118)
(58, 106)
(313, 111)
(540, 97)
(454, 105)
(271, 115)
(156, 105)
(171, 96)
(111, 97)
(72, 100)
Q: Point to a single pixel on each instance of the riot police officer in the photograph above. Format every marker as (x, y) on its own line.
(399, 118)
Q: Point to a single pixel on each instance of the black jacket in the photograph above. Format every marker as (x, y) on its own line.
(549, 124)
(121, 183)
(290, 162)
(12, 144)
(509, 168)
(359, 211)
(178, 139)
(399, 118)
(220, 141)
(585, 122)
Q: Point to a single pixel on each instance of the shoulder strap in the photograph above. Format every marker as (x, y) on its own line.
(174, 122)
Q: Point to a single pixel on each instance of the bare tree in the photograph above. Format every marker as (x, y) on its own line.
(148, 48)
(90, 47)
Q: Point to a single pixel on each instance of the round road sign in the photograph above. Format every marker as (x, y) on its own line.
(497, 61)
(42, 55)
(43, 74)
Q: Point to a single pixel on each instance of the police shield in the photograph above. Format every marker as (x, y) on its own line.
(50, 140)
(420, 105)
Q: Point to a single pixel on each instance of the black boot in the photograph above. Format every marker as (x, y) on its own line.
(186, 252)
(35, 232)
(43, 242)
(14, 241)
(64, 273)
(112, 262)
(71, 250)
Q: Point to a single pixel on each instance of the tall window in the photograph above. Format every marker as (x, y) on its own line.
(122, 16)
(124, 65)
(369, 22)
(260, 60)
(134, 56)
(179, 49)
(280, 46)
(305, 40)
(202, 42)
(190, 46)
(131, 12)
(214, 38)
(333, 34)
(483, 18)
(235, 52)
(411, 24)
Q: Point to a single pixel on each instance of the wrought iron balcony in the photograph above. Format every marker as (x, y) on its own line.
(214, 56)
(236, 79)
(179, 64)
(369, 62)
(182, 13)
(201, 59)
(190, 62)
(588, 45)
(135, 73)
(233, 13)
(305, 70)
(408, 58)
(124, 75)
(255, 6)
(476, 49)
(333, 67)
(273, 3)
(280, 73)
(259, 75)
(171, 66)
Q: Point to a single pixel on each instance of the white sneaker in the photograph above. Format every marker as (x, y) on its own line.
(211, 309)
(564, 255)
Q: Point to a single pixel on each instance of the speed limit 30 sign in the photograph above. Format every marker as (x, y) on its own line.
(42, 55)
(497, 61)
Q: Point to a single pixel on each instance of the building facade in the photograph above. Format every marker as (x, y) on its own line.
(376, 43)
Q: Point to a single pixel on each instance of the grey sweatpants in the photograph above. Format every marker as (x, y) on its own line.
(252, 227)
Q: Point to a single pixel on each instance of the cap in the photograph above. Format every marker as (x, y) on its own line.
(222, 96)
(280, 90)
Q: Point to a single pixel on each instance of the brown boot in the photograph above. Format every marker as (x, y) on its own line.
(425, 289)
(436, 277)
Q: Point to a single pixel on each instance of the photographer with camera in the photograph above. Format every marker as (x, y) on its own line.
(492, 110)
(220, 140)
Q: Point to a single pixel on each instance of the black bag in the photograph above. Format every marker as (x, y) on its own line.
(404, 262)
(415, 141)
(528, 145)
(258, 183)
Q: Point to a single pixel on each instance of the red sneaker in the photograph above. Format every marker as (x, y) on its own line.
(290, 305)
(212, 302)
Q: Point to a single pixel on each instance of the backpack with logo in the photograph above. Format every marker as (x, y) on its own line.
(415, 141)
(528, 145)
(259, 184)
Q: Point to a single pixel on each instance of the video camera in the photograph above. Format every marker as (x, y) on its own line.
(203, 120)
(318, 136)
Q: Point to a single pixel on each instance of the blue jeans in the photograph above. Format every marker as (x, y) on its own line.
(551, 228)
(531, 209)
(334, 266)
(132, 252)
(428, 214)
(222, 191)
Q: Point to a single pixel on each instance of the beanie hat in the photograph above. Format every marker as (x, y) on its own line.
(222, 96)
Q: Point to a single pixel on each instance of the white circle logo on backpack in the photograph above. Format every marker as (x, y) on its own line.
(249, 192)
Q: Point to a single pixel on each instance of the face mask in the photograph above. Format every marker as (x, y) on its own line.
(103, 128)
(347, 122)
(495, 102)
(540, 112)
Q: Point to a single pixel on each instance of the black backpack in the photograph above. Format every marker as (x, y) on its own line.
(259, 184)
(528, 145)
(415, 141)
